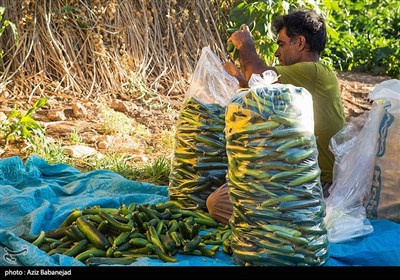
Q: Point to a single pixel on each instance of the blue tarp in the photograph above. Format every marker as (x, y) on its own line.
(38, 196)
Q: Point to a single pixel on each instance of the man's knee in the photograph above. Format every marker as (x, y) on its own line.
(210, 203)
(219, 206)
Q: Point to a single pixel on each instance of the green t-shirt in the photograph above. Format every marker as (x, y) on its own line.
(329, 117)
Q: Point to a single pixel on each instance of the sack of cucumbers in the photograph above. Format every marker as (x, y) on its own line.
(200, 164)
(274, 178)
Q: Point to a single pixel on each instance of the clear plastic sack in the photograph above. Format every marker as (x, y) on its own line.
(274, 177)
(210, 82)
(199, 164)
(344, 139)
(355, 148)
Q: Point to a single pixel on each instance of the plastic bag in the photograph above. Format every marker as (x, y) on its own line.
(274, 177)
(199, 164)
(384, 200)
(344, 140)
(352, 178)
(211, 83)
(266, 78)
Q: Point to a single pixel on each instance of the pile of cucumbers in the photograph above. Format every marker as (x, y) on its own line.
(274, 179)
(200, 163)
(119, 236)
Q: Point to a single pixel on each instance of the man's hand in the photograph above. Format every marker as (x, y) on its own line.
(250, 62)
(241, 37)
(231, 68)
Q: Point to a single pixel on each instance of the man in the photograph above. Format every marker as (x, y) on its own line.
(301, 39)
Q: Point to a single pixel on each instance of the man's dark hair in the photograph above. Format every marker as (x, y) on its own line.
(304, 22)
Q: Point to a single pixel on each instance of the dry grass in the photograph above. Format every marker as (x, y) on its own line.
(89, 49)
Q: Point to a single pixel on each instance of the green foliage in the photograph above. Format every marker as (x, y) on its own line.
(258, 15)
(3, 24)
(368, 36)
(75, 136)
(22, 125)
(363, 35)
(50, 151)
(155, 172)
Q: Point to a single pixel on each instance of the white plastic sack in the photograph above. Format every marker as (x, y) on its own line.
(355, 167)
(384, 201)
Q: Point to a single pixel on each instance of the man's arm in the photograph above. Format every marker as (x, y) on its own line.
(231, 68)
(249, 61)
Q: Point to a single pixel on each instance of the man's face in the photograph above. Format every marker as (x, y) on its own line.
(288, 52)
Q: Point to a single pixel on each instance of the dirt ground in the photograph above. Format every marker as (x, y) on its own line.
(354, 87)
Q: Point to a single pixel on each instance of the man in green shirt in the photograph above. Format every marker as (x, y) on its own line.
(301, 39)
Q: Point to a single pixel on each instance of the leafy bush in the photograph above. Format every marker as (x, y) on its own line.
(22, 125)
(368, 36)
